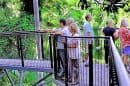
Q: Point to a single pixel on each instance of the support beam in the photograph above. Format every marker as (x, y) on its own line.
(38, 82)
(38, 37)
(21, 76)
(36, 15)
(10, 79)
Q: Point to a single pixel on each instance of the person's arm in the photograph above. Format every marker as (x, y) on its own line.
(59, 33)
(129, 34)
(115, 34)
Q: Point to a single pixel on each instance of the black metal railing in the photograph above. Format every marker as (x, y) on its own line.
(68, 55)
(93, 73)
(119, 70)
(101, 69)
(23, 45)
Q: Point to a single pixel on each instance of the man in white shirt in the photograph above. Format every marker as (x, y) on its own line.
(62, 31)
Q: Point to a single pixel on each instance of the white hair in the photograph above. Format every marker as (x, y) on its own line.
(124, 23)
(69, 20)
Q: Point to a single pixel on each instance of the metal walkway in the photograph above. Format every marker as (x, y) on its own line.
(19, 60)
(98, 73)
(100, 76)
(29, 65)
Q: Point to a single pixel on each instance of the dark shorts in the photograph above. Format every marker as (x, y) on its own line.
(126, 51)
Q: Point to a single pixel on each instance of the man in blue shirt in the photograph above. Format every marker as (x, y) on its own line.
(88, 32)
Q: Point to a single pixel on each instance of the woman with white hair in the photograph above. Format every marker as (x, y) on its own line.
(124, 36)
(69, 21)
(74, 54)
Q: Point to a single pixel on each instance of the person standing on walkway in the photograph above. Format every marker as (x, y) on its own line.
(74, 54)
(62, 31)
(124, 35)
(108, 31)
(88, 32)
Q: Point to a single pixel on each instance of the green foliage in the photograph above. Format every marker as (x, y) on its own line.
(13, 18)
(16, 24)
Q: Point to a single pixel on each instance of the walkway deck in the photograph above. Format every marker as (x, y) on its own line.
(30, 65)
(100, 71)
(100, 76)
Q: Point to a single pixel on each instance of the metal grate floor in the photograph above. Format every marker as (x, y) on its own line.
(30, 65)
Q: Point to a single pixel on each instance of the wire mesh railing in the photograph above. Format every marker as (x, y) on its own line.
(77, 61)
(23, 45)
(84, 61)
(72, 68)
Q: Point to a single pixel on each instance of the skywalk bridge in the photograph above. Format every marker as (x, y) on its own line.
(15, 55)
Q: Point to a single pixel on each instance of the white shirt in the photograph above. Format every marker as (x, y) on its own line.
(66, 32)
(74, 53)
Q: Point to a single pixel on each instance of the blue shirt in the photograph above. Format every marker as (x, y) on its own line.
(88, 29)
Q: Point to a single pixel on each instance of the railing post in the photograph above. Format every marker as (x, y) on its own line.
(55, 57)
(66, 62)
(42, 46)
(18, 46)
(90, 64)
(110, 60)
(20, 50)
(50, 43)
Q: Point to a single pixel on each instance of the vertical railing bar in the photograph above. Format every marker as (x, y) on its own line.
(101, 62)
(18, 46)
(95, 65)
(110, 64)
(108, 77)
(21, 50)
(83, 70)
(98, 64)
(42, 46)
(55, 57)
(90, 65)
(66, 64)
(105, 73)
(50, 43)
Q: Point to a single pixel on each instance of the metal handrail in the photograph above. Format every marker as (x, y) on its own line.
(122, 74)
(21, 32)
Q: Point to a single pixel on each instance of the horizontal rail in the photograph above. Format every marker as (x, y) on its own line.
(21, 32)
(121, 71)
(106, 37)
(40, 32)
